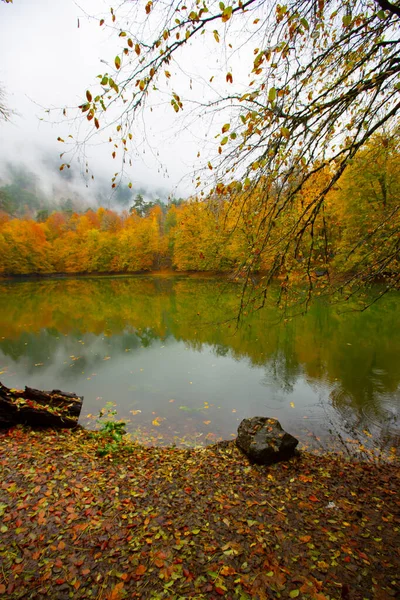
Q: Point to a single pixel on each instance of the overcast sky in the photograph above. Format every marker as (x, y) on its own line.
(48, 61)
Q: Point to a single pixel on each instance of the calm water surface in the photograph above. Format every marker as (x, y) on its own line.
(156, 347)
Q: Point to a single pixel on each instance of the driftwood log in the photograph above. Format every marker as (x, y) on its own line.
(39, 409)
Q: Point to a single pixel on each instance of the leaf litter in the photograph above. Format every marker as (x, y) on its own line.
(201, 523)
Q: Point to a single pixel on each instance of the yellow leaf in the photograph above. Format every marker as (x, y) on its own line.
(292, 404)
(227, 13)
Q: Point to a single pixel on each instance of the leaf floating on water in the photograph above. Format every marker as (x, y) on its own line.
(292, 404)
(107, 358)
(206, 422)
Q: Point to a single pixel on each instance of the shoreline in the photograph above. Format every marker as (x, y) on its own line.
(202, 523)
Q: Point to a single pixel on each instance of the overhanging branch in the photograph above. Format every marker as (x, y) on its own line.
(386, 5)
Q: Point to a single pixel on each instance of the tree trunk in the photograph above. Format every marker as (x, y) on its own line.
(39, 409)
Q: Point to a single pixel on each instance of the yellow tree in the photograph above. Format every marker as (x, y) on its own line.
(369, 211)
(323, 78)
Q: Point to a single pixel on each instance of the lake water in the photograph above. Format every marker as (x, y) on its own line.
(161, 349)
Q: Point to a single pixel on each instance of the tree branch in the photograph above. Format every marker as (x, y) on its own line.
(386, 5)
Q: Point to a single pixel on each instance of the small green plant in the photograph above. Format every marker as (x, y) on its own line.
(111, 432)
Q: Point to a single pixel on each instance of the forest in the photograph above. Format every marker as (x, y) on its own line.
(355, 233)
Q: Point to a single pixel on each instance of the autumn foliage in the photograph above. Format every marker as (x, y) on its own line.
(177, 523)
(354, 235)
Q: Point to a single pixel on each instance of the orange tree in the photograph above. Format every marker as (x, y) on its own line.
(299, 88)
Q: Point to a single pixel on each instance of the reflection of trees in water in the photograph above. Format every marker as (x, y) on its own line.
(221, 350)
(355, 353)
(282, 372)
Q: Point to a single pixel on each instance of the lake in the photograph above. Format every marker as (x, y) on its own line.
(164, 350)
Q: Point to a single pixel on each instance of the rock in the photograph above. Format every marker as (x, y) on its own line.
(264, 441)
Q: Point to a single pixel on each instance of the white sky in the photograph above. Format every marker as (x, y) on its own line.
(47, 61)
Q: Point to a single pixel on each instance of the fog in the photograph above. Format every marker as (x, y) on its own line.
(51, 53)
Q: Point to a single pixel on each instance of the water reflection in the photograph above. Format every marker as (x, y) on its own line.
(155, 345)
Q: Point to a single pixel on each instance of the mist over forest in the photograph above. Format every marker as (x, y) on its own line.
(26, 190)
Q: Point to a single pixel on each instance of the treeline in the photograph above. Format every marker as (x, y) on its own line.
(358, 228)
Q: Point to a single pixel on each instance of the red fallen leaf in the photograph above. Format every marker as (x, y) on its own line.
(141, 569)
(220, 591)
(347, 559)
(362, 555)
(307, 587)
(60, 581)
(61, 545)
(124, 576)
(159, 563)
(58, 563)
(85, 571)
(2, 588)
(305, 538)
(313, 498)
(188, 490)
(116, 592)
(305, 478)
(225, 570)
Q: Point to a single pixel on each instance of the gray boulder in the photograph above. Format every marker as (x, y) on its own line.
(264, 441)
